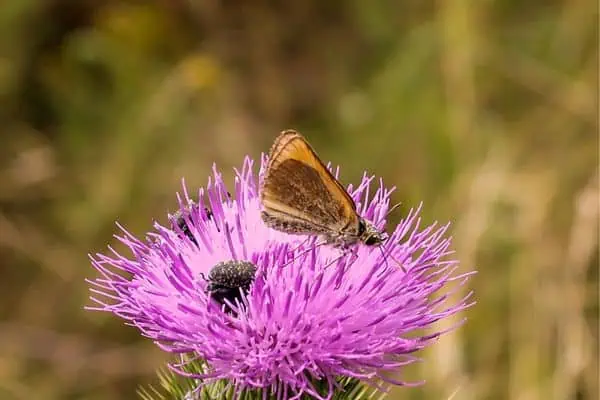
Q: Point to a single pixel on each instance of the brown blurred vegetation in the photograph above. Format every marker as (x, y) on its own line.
(487, 111)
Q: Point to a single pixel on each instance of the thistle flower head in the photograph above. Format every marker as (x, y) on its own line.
(311, 313)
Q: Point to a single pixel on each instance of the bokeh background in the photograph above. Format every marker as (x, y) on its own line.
(487, 111)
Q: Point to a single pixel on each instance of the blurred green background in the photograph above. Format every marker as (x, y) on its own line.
(484, 110)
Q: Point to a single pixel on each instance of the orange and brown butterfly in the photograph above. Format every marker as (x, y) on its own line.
(300, 196)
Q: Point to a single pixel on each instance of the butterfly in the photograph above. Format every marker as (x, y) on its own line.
(300, 196)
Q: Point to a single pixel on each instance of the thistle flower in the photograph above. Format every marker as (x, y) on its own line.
(313, 314)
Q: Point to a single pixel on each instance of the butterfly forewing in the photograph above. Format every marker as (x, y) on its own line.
(299, 194)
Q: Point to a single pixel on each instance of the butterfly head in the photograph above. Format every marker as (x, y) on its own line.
(369, 234)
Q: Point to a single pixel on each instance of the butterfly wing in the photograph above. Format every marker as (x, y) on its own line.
(299, 192)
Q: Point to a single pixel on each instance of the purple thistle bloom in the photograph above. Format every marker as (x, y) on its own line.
(313, 313)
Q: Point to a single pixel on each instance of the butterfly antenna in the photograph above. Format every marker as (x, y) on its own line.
(391, 210)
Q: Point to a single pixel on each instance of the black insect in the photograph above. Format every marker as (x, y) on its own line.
(227, 280)
(179, 219)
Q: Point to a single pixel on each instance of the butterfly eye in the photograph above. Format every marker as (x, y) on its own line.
(362, 227)
(372, 239)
